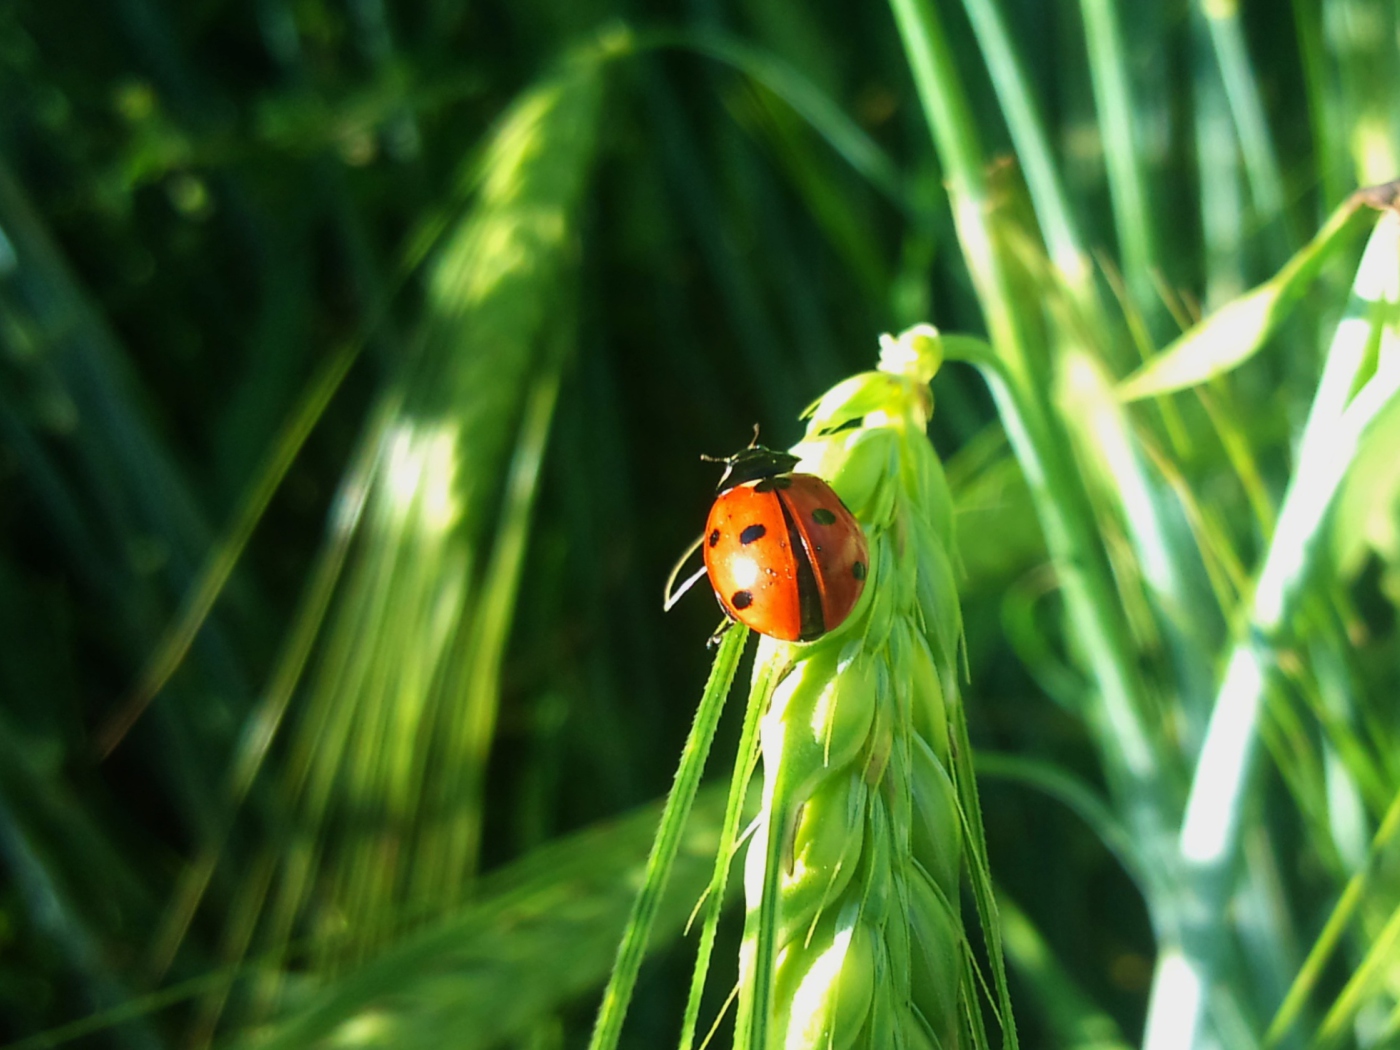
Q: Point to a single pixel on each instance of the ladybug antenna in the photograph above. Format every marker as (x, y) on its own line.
(673, 594)
(706, 458)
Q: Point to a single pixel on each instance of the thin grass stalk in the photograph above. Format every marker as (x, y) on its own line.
(1028, 132)
(607, 1029)
(745, 760)
(1329, 156)
(223, 557)
(1210, 843)
(1256, 144)
(1372, 974)
(1306, 981)
(1118, 132)
(1222, 204)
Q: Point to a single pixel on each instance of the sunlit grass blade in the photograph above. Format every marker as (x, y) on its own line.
(1166, 564)
(1221, 785)
(462, 783)
(1372, 975)
(378, 732)
(1016, 379)
(1363, 65)
(1222, 199)
(638, 931)
(1237, 331)
(265, 721)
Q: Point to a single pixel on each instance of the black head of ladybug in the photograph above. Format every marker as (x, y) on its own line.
(753, 464)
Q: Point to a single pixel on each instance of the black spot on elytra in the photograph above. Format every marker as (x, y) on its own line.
(742, 599)
(782, 481)
(858, 570)
(751, 533)
(714, 537)
(822, 516)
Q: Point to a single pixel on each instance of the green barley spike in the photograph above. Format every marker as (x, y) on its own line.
(854, 935)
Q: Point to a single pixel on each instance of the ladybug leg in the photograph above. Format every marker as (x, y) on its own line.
(720, 632)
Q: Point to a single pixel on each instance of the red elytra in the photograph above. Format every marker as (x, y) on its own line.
(783, 553)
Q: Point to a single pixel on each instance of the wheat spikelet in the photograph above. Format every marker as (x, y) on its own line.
(854, 935)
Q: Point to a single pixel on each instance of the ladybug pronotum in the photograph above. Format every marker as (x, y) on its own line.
(783, 553)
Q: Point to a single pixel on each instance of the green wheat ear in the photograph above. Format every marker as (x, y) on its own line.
(854, 934)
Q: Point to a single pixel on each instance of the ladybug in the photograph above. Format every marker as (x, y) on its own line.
(783, 553)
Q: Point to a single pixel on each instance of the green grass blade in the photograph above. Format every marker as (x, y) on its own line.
(617, 996)
(1357, 887)
(540, 932)
(1017, 386)
(215, 572)
(265, 721)
(807, 100)
(463, 783)
(1372, 975)
(1029, 133)
(1165, 557)
(1236, 332)
(744, 762)
(1211, 828)
(378, 738)
(1128, 191)
(1222, 200)
(1247, 109)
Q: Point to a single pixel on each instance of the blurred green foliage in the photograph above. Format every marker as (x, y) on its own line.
(390, 335)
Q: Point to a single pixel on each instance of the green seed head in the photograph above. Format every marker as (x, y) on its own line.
(854, 902)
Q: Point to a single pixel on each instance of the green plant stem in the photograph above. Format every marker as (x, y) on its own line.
(618, 994)
(744, 762)
(1018, 389)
